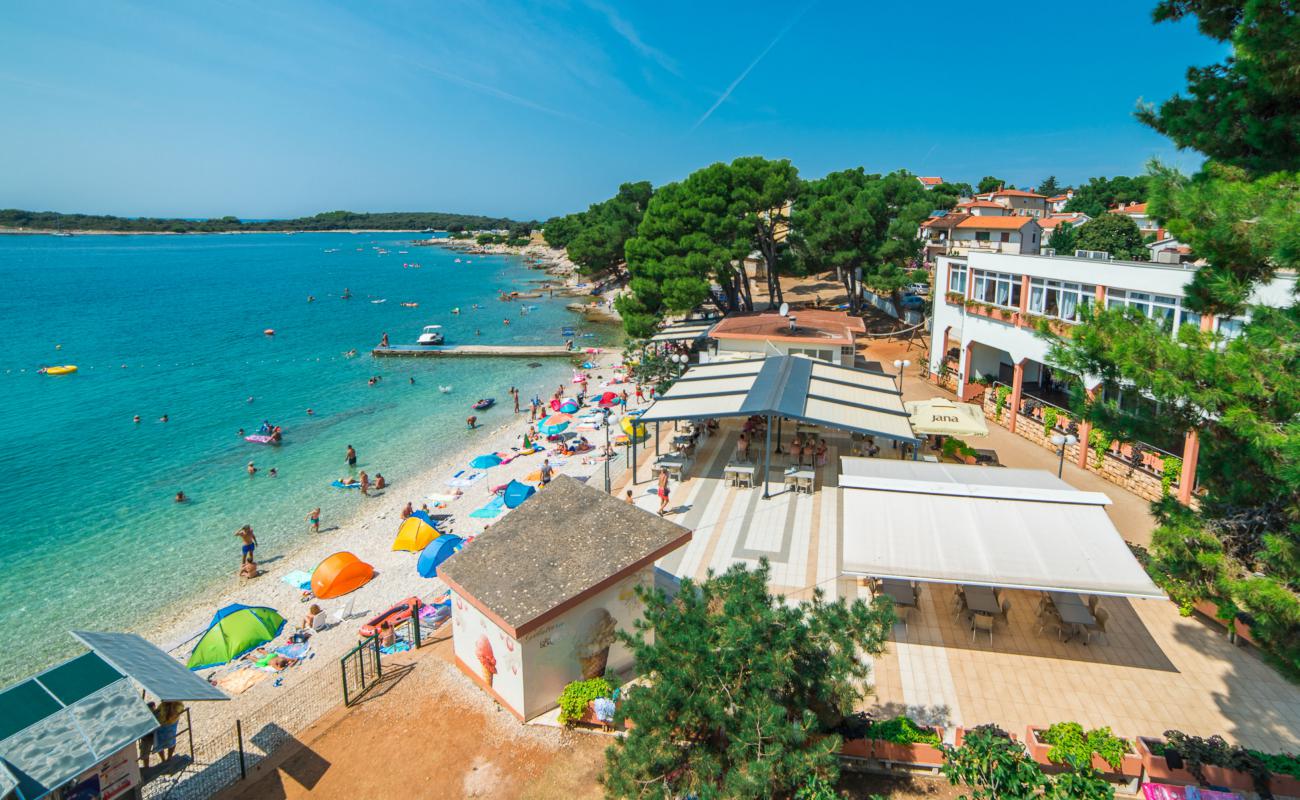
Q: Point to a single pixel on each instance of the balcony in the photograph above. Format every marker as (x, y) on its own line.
(963, 246)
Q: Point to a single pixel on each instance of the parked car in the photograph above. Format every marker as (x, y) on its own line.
(913, 301)
(918, 288)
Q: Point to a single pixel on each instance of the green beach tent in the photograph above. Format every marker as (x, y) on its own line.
(235, 630)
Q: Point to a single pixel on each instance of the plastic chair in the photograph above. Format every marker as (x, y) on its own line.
(1006, 609)
(1092, 604)
(1051, 618)
(343, 613)
(980, 622)
(1098, 627)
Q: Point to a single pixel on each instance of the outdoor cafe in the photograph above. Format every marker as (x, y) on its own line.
(997, 537)
(776, 397)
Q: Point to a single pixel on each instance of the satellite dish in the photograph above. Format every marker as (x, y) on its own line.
(785, 309)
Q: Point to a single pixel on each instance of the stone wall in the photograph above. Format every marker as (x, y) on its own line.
(1113, 467)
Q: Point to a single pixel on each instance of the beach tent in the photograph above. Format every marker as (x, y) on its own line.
(568, 407)
(608, 399)
(942, 417)
(235, 630)
(339, 574)
(516, 493)
(630, 425)
(553, 424)
(436, 552)
(415, 532)
(486, 461)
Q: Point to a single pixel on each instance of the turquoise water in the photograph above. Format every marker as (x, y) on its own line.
(173, 325)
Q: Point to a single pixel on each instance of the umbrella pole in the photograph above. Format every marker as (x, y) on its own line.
(767, 458)
(633, 438)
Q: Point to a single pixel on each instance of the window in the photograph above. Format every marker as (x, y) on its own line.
(1060, 299)
(1230, 327)
(1005, 236)
(981, 236)
(996, 288)
(957, 278)
(1165, 309)
(823, 355)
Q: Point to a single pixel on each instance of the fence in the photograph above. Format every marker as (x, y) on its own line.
(909, 315)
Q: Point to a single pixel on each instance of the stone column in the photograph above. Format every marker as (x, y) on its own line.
(1017, 383)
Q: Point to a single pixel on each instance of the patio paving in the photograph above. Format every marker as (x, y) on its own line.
(1154, 671)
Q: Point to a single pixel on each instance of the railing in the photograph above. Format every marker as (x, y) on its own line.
(983, 246)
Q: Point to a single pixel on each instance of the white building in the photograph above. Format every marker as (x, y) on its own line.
(990, 234)
(1138, 213)
(987, 306)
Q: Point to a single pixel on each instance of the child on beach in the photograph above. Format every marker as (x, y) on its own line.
(314, 519)
(365, 483)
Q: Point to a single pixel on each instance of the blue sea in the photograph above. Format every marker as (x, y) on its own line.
(173, 325)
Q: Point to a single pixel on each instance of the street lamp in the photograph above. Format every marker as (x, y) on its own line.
(1062, 441)
(900, 365)
(604, 421)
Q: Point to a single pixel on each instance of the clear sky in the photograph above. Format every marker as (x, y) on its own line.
(276, 108)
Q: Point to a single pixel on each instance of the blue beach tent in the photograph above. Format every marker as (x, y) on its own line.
(516, 493)
(436, 552)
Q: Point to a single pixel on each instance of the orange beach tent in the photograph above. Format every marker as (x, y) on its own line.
(339, 574)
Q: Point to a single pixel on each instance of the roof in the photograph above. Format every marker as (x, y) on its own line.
(946, 221)
(998, 223)
(1131, 208)
(683, 331)
(981, 204)
(930, 181)
(983, 526)
(788, 386)
(570, 542)
(59, 723)
(1057, 198)
(813, 326)
(1056, 219)
(1017, 193)
(159, 673)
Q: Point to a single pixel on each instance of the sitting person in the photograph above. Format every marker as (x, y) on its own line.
(249, 569)
(380, 483)
(387, 636)
(409, 510)
(314, 615)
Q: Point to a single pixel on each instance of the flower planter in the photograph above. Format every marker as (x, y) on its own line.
(1285, 785)
(857, 748)
(1159, 771)
(960, 736)
(925, 755)
(1130, 766)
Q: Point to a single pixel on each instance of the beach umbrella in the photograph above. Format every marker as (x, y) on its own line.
(608, 399)
(568, 406)
(436, 552)
(516, 493)
(555, 423)
(415, 532)
(486, 461)
(942, 417)
(235, 630)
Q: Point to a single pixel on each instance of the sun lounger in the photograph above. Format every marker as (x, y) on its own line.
(465, 478)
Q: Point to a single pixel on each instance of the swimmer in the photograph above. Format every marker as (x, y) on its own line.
(412, 380)
(311, 299)
(163, 418)
(505, 321)
(252, 470)
(310, 412)
(241, 432)
(181, 498)
(273, 473)
(250, 398)
(136, 419)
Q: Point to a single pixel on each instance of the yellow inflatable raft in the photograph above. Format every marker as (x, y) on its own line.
(63, 369)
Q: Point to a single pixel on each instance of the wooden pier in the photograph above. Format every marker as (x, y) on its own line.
(479, 350)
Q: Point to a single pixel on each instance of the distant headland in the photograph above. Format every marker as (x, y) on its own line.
(17, 221)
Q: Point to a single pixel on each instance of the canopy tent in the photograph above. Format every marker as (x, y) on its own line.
(160, 674)
(339, 574)
(942, 417)
(983, 526)
(56, 725)
(689, 331)
(235, 629)
(415, 532)
(438, 551)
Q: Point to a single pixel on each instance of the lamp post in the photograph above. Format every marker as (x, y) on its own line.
(900, 365)
(1062, 441)
(604, 412)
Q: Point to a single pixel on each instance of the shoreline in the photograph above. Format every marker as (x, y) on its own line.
(77, 232)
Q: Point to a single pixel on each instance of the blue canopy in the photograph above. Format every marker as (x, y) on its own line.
(516, 493)
(436, 552)
(485, 461)
(424, 515)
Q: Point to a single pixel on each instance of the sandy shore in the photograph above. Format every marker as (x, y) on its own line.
(368, 533)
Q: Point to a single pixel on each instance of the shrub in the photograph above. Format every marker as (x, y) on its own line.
(1099, 440)
(575, 697)
(1070, 745)
(902, 730)
(954, 448)
(1281, 763)
(1050, 415)
(1000, 399)
(1170, 468)
(1198, 753)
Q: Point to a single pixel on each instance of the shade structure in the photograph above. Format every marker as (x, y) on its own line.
(436, 552)
(516, 493)
(553, 424)
(415, 532)
(486, 461)
(339, 574)
(234, 630)
(983, 526)
(687, 331)
(942, 417)
(794, 387)
(149, 666)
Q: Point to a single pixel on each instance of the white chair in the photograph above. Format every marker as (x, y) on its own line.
(981, 622)
(1098, 627)
(344, 613)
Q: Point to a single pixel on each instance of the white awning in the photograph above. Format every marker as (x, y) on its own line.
(943, 417)
(983, 526)
(684, 331)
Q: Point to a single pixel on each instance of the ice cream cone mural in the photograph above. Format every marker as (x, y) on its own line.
(487, 661)
(593, 648)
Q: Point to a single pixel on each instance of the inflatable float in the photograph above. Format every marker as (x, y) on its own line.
(62, 369)
(484, 404)
(269, 331)
(342, 485)
(259, 438)
(397, 614)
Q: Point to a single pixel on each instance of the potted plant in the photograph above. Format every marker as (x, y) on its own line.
(1284, 772)
(576, 701)
(1066, 743)
(1193, 760)
(903, 741)
(955, 298)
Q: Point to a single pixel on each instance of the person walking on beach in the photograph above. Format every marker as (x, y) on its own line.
(663, 492)
(515, 394)
(314, 519)
(351, 457)
(249, 540)
(365, 483)
(547, 471)
(640, 397)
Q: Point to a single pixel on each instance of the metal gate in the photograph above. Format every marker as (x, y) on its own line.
(361, 669)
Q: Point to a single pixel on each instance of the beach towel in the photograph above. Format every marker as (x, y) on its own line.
(165, 738)
(298, 579)
(440, 499)
(465, 478)
(297, 651)
(492, 510)
(241, 680)
(399, 647)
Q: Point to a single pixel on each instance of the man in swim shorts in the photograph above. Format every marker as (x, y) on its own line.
(351, 457)
(246, 535)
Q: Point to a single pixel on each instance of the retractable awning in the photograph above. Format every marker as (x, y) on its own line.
(690, 331)
(163, 676)
(795, 387)
(983, 526)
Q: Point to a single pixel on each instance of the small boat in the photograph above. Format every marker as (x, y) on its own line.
(485, 403)
(432, 335)
(410, 305)
(269, 331)
(445, 389)
(61, 369)
(380, 300)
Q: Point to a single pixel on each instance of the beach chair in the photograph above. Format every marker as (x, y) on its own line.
(344, 613)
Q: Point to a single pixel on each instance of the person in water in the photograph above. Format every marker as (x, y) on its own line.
(252, 469)
(241, 433)
(351, 457)
(472, 422)
(249, 540)
(314, 519)
(380, 483)
(163, 418)
(276, 435)
(181, 498)
(365, 483)
(274, 473)
(136, 419)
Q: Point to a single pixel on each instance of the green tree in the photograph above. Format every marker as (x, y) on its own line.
(605, 228)
(559, 231)
(956, 189)
(743, 689)
(1241, 545)
(1049, 187)
(764, 191)
(994, 766)
(1099, 195)
(990, 184)
(1065, 239)
(1116, 234)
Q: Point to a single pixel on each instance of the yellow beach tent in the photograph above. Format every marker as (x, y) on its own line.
(415, 532)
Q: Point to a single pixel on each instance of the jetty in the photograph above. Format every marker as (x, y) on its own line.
(480, 350)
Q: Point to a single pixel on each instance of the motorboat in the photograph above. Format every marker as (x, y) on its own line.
(431, 335)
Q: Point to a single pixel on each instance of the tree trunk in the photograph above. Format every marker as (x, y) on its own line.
(745, 291)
